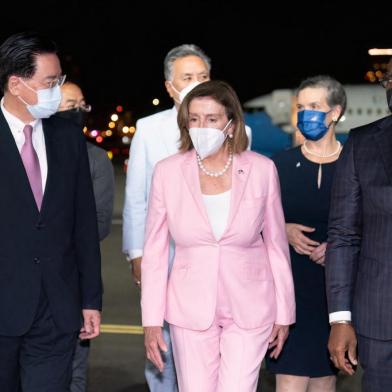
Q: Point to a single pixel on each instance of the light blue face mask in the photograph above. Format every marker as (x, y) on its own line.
(48, 101)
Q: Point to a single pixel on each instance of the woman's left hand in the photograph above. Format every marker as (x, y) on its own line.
(278, 336)
(318, 254)
(154, 344)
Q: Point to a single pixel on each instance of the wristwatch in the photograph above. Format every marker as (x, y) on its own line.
(340, 322)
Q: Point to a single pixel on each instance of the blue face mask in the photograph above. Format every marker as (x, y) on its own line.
(311, 123)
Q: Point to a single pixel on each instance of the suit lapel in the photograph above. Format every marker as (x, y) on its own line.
(384, 141)
(13, 165)
(240, 175)
(170, 132)
(190, 171)
(49, 147)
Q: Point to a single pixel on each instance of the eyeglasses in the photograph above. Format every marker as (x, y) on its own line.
(57, 82)
(386, 81)
(83, 108)
(77, 106)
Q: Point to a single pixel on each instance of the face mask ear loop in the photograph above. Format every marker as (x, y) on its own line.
(333, 121)
(171, 83)
(178, 93)
(226, 126)
(30, 88)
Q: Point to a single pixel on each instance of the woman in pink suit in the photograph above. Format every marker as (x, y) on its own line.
(230, 294)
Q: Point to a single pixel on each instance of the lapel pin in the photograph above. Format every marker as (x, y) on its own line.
(298, 164)
(240, 171)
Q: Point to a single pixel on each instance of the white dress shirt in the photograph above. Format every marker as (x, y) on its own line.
(344, 315)
(218, 207)
(38, 138)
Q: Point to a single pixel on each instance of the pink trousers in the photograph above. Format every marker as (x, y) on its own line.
(223, 358)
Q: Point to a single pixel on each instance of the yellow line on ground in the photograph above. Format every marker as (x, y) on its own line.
(122, 329)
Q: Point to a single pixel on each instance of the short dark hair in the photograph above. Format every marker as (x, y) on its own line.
(18, 55)
(335, 91)
(225, 95)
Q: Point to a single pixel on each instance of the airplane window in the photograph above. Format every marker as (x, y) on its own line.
(359, 111)
(369, 111)
(379, 111)
(349, 111)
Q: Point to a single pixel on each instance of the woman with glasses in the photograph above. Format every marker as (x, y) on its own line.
(306, 174)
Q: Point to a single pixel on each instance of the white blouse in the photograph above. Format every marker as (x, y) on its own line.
(218, 208)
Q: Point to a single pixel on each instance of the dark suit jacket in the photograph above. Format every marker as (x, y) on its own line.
(102, 175)
(57, 248)
(359, 252)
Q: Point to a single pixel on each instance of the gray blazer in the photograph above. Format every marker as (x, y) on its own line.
(359, 252)
(102, 176)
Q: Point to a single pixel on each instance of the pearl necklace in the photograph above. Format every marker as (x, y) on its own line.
(322, 155)
(320, 173)
(218, 173)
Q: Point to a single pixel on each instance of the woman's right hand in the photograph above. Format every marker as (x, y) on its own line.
(154, 343)
(299, 241)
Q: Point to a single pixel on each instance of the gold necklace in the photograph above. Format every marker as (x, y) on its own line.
(320, 174)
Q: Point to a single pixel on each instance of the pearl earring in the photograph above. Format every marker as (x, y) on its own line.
(231, 136)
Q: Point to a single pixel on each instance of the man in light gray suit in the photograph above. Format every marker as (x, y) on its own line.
(73, 107)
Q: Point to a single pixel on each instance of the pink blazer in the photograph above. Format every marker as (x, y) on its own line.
(255, 269)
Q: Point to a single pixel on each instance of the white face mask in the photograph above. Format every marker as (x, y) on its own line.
(207, 141)
(184, 91)
(48, 101)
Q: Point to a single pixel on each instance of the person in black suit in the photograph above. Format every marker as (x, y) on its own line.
(358, 257)
(50, 268)
(73, 107)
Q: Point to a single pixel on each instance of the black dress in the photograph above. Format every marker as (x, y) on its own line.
(305, 352)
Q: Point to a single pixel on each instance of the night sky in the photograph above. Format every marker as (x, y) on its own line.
(115, 50)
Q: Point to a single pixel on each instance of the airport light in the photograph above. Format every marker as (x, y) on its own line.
(155, 101)
(114, 117)
(132, 129)
(112, 124)
(125, 129)
(119, 108)
(380, 52)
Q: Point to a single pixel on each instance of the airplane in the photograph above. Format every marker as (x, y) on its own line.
(273, 116)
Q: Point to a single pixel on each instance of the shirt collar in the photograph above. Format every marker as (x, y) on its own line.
(14, 122)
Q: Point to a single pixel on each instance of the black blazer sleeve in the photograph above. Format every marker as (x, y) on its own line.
(86, 235)
(344, 231)
(102, 176)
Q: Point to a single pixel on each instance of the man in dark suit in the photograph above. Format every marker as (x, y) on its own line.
(50, 275)
(359, 253)
(73, 107)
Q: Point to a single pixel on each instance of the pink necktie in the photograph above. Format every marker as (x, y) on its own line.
(31, 164)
